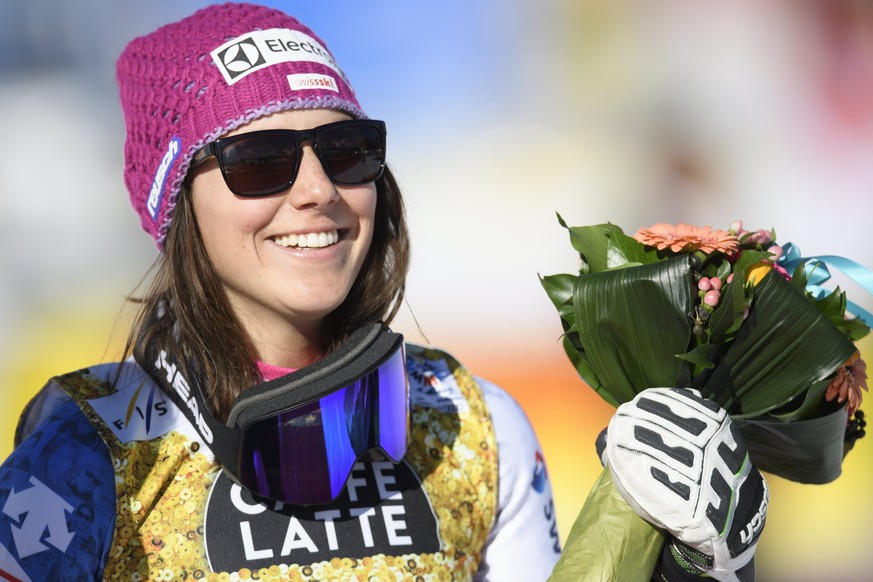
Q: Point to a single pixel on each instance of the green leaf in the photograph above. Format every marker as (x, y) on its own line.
(623, 250)
(699, 356)
(583, 368)
(723, 270)
(832, 305)
(746, 260)
(809, 406)
(854, 328)
(559, 288)
(633, 322)
(799, 278)
(591, 242)
(728, 316)
(605, 246)
(806, 451)
(784, 347)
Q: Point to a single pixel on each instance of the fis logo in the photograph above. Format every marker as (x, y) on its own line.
(138, 411)
(144, 413)
(258, 49)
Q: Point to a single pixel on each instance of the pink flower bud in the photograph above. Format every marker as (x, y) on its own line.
(711, 298)
(715, 282)
(730, 277)
(736, 227)
(761, 237)
(776, 250)
(704, 284)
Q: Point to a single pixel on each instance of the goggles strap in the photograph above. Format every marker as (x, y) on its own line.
(186, 393)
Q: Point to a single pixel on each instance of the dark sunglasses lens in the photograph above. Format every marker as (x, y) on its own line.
(352, 154)
(259, 165)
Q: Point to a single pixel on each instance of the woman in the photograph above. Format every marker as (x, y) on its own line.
(266, 423)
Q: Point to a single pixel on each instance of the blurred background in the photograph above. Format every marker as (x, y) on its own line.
(501, 114)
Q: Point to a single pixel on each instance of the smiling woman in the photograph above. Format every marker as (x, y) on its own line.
(268, 281)
(264, 418)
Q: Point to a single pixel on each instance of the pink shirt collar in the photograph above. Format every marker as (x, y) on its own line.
(271, 372)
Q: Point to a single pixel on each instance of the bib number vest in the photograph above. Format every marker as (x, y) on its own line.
(179, 517)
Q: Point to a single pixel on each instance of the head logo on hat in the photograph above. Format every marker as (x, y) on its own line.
(157, 190)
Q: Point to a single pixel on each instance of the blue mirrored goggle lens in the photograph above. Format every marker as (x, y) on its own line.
(304, 456)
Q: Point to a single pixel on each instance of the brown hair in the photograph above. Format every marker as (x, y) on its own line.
(186, 311)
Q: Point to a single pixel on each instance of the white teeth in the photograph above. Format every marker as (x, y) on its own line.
(309, 240)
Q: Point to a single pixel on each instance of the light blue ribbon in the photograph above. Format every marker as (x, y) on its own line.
(816, 269)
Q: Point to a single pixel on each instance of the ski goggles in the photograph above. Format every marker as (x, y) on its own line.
(263, 163)
(296, 439)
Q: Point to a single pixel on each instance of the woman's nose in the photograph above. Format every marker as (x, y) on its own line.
(312, 188)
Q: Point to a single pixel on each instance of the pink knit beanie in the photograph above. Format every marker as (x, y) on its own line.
(190, 82)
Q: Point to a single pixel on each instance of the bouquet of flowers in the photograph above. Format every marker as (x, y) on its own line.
(731, 313)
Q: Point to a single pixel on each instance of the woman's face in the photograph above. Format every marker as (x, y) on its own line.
(274, 284)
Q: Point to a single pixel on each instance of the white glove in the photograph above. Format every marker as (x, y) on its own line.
(681, 463)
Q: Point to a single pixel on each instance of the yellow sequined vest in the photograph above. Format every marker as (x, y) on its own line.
(178, 516)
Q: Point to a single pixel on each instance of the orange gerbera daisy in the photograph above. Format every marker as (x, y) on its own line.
(848, 382)
(687, 238)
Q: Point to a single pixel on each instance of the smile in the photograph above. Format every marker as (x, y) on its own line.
(308, 240)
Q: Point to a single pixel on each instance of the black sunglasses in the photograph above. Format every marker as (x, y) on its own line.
(263, 163)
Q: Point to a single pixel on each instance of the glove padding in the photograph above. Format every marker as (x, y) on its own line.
(681, 463)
